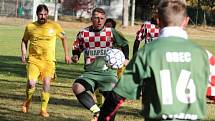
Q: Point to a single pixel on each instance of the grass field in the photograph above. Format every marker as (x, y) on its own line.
(63, 104)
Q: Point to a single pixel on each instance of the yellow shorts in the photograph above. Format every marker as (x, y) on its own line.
(40, 69)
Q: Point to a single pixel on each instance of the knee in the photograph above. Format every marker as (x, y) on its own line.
(77, 88)
(46, 82)
(46, 85)
(32, 83)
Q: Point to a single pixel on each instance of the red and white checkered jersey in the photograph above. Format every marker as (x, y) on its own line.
(211, 84)
(93, 43)
(148, 32)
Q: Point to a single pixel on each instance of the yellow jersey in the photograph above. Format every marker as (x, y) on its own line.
(42, 40)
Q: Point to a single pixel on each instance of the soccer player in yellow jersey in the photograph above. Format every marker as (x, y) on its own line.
(41, 37)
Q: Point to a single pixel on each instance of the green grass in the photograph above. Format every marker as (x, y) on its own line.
(63, 104)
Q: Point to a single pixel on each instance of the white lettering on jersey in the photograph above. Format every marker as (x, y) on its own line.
(178, 56)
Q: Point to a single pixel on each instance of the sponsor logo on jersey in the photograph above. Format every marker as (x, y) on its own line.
(178, 56)
(96, 52)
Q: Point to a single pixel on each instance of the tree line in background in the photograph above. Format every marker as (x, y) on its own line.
(200, 11)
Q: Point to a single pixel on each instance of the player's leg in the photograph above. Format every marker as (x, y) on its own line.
(106, 88)
(111, 104)
(80, 88)
(45, 95)
(48, 72)
(98, 93)
(32, 73)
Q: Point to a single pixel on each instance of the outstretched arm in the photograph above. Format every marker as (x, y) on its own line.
(140, 35)
(66, 50)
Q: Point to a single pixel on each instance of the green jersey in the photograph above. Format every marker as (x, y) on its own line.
(174, 74)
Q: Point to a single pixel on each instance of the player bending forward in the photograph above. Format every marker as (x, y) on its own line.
(94, 41)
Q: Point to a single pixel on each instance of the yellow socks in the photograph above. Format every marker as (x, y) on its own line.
(45, 99)
(99, 98)
(29, 94)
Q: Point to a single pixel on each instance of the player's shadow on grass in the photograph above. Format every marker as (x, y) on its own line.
(129, 111)
(11, 65)
(55, 101)
(71, 71)
(7, 114)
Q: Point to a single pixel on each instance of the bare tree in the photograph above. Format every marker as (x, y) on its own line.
(133, 13)
(125, 12)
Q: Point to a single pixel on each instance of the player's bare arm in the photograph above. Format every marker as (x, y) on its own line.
(24, 46)
(66, 50)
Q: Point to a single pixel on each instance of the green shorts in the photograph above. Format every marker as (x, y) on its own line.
(105, 80)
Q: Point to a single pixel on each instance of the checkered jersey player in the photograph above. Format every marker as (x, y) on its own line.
(149, 31)
(94, 41)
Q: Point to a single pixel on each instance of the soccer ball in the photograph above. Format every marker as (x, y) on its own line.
(115, 58)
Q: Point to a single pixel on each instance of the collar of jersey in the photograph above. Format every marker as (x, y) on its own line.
(173, 31)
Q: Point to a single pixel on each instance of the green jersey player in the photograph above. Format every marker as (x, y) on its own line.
(171, 70)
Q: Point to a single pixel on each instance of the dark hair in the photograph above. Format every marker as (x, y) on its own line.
(99, 10)
(111, 21)
(154, 21)
(42, 7)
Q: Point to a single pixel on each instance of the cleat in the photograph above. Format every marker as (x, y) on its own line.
(44, 114)
(25, 106)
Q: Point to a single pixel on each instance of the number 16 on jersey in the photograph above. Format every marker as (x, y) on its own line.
(185, 88)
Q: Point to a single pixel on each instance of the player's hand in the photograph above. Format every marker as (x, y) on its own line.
(23, 59)
(126, 62)
(75, 58)
(68, 59)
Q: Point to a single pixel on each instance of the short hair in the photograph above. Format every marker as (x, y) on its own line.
(99, 10)
(172, 12)
(111, 21)
(42, 7)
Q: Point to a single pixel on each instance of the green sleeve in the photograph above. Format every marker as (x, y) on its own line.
(119, 39)
(133, 76)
